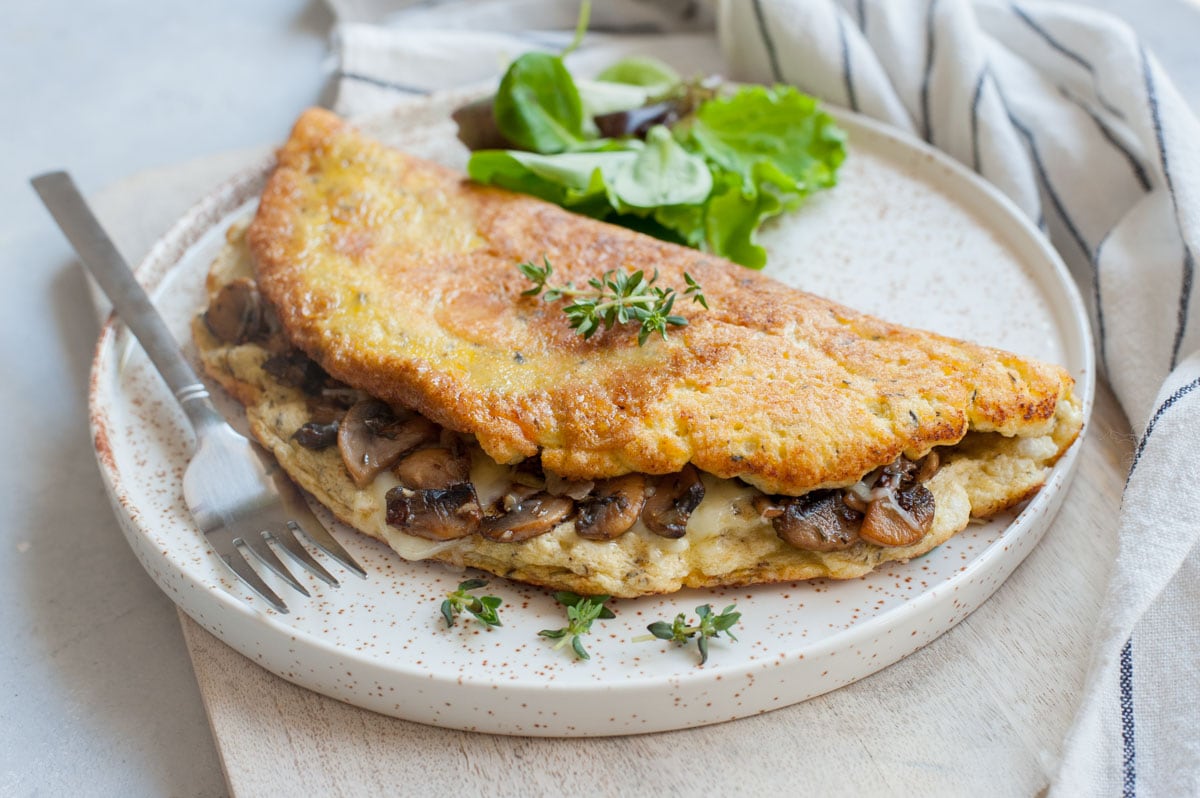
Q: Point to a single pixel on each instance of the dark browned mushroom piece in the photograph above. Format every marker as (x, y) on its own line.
(235, 314)
(425, 469)
(816, 521)
(297, 370)
(612, 509)
(899, 518)
(437, 514)
(534, 515)
(371, 438)
(317, 436)
(674, 498)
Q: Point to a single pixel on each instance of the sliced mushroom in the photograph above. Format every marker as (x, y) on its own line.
(928, 467)
(612, 508)
(317, 436)
(817, 521)
(340, 395)
(674, 498)
(297, 370)
(436, 514)
(516, 494)
(371, 438)
(235, 314)
(425, 469)
(535, 515)
(899, 518)
(574, 489)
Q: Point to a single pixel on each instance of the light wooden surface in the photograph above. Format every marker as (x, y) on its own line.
(982, 711)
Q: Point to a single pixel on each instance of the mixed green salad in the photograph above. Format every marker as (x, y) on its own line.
(692, 161)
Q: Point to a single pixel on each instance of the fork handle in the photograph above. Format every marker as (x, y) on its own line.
(98, 253)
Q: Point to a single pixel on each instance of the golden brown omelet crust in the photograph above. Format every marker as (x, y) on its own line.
(398, 276)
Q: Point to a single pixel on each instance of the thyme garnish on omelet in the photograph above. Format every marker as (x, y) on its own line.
(614, 298)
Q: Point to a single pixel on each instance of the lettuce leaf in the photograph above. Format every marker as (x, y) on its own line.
(537, 106)
(636, 179)
(710, 182)
(770, 135)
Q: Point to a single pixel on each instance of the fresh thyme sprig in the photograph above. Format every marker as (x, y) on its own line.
(581, 612)
(616, 297)
(482, 607)
(680, 632)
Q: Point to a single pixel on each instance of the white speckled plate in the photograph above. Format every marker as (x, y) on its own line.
(907, 234)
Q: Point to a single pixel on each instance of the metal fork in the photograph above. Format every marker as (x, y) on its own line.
(237, 494)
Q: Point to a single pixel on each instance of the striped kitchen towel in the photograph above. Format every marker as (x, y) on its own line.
(1061, 108)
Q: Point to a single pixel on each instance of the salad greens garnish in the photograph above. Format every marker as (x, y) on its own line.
(709, 626)
(614, 298)
(686, 160)
(582, 611)
(484, 608)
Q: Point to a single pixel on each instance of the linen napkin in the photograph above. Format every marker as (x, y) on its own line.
(1061, 108)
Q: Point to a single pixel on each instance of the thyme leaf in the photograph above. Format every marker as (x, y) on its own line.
(616, 297)
(582, 611)
(484, 608)
(710, 625)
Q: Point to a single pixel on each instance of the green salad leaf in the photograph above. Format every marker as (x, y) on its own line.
(709, 172)
(770, 135)
(537, 106)
(650, 73)
(600, 97)
(637, 179)
(574, 180)
(662, 173)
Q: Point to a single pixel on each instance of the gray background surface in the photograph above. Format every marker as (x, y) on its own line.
(97, 695)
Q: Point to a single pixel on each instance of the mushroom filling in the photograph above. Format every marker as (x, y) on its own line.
(372, 437)
(889, 507)
(435, 513)
(436, 500)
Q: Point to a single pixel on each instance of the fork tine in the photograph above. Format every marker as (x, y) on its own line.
(258, 544)
(250, 577)
(284, 537)
(304, 521)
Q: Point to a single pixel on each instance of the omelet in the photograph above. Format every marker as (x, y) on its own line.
(374, 323)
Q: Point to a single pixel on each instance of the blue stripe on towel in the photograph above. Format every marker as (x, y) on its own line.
(1189, 263)
(847, 71)
(768, 42)
(1128, 762)
(1163, 408)
(1044, 177)
(983, 75)
(929, 52)
(1059, 47)
(381, 83)
(1135, 163)
(1100, 331)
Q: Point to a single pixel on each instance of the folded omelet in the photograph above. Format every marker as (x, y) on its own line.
(373, 321)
